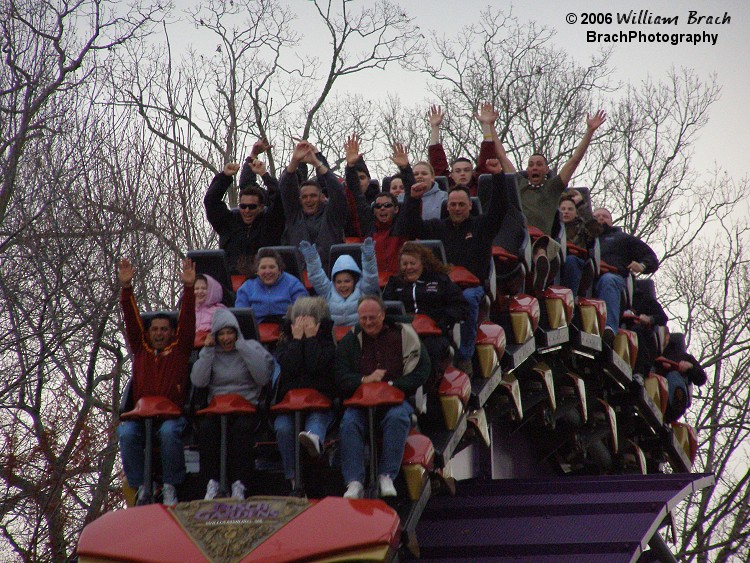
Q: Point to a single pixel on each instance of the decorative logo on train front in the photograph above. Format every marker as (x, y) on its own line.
(227, 530)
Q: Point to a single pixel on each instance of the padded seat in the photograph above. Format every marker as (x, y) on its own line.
(463, 278)
(418, 460)
(302, 400)
(230, 403)
(269, 333)
(339, 332)
(657, 389)
(687, 438)
(559, 304)
(593, 315)
(626, 346)
(490, 347)
(154, 406)
(524, 317)
(454, 392)
(377, 394)
(424, 325)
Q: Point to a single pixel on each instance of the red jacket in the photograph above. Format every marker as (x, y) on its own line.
(164, 373)
(387, 247)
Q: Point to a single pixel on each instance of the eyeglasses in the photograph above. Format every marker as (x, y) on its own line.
(382, 205)
(250, 206)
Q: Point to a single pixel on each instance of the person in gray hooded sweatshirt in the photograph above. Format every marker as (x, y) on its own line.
(228, 363)
(349, 282)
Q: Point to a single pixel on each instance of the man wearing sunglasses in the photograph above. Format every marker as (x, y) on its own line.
(259, 219)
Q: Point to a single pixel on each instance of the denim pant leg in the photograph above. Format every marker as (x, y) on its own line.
(169, 438)
(572, 272)
(608, 289)
(318, 422)
(353, 433)
(395, 425)
(283, 425)
(474, 296)
(132, 437)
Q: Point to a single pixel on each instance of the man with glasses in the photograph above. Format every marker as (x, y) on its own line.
(259, 219)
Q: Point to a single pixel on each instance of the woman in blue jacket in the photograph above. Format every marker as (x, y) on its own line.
(273, 290)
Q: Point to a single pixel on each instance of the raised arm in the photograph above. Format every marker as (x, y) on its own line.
(435, 150)
(492, 219)
(217, 212)
(487, 116)
(363, 210)
(258, 361)
(186, 319)
(369, 283)
(289, 181)
(315, 272)
(134, 332)
(592, 124)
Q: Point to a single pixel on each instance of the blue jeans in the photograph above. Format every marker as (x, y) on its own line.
(572, 272)
(168, 436)
(474, 296)
(394, 425)
(677, 381)
(316, 422)
(609, 288)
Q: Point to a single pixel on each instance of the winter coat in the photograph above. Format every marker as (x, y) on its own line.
(204, 312)
(270, 300)
(243, 371)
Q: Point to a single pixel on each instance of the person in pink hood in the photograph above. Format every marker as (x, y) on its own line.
(208, 295)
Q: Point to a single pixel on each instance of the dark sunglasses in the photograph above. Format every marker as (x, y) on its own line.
(382, 205)
(250, 206)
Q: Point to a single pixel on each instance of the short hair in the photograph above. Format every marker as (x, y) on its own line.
(461, 159)
(268, 253)
(311, 183)
(376, 298)
(461, 188)
(425, 163)
(254, 191)
(566, 197)
(430, 263)
(397, 176)
(172, 320)
(543, 157)
(389, 195)
(315, 307)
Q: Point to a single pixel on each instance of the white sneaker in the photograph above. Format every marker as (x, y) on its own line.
(354, 490)
(140, 496)
(238, 490)
(311, 443)
(386, 486)
(212, 490)
(168, 495)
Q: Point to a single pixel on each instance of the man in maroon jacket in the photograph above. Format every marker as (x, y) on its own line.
(160, 354)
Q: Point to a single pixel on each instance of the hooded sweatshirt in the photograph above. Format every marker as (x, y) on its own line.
(204, 312)
(344, 309)
(243, 371)
(432, 202)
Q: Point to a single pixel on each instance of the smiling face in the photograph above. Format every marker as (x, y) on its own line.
(411, 267)
(396, 186)
(371, 317)
(310, 199)
(200, 288)
(537, 169)
(459, 206)
(422, 173)
(461, 172)
(160, 333)
(268, 271)
(344, 284)
(603, 216)
(226, 339)
(567, 211)
(384, 209)
(250, 208)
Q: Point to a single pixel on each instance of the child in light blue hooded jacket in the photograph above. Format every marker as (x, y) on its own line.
(349, 282)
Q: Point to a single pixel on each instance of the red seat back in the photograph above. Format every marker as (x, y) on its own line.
(237, 281)
(340, 331)
(419, 450)
(425, 326)
(455, 383)
(269, 332)
(463, 277)
(228, 404)
(153, 407)
(302, 400)
(375, 395)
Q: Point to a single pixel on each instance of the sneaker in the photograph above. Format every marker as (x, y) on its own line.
(609, 335)
(168, 495)
(311, 443)
(212, 490)
(385, 484)
(354, 490)
(140, 497)
(238, 490)
(541, 269)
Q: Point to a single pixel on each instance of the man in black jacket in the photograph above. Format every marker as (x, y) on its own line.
(258, 222)
(626, 253)
(467, 241)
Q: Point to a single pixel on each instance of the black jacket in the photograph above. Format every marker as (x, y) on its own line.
(236, 238)
(619, 249)
(468, 244)
(433, 294)
(309, 362)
